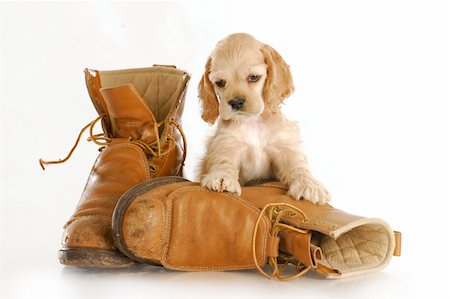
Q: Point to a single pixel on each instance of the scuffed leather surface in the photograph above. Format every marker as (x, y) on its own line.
(144, 223)
(93, 231)
(194, 229)
(212, 231)
(121, 164)
(118, 167)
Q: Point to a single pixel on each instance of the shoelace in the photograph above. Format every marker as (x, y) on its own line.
(153, 149)
(275, 211)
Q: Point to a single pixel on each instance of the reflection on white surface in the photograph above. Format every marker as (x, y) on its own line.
(30, 269)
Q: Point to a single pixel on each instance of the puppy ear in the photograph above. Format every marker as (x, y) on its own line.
(279, 83)
(207, 96)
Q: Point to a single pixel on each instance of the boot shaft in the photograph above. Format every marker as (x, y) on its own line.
(161, 88)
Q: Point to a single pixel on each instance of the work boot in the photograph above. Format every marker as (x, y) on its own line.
(140, 111)
(182, 226)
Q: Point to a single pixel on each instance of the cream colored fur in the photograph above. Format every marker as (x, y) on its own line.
(257, 141)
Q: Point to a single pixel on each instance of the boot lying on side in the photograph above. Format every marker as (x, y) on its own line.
(182, 226)
(140, 111)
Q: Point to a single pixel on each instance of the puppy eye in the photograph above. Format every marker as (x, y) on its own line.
(221, 83)
(253, 78)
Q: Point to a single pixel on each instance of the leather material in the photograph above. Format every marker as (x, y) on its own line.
(119, 166)
(186, 227)
(163, 90)
(89, 231)
(398, 243)
(324, 218)
(182, 231)
(299, 245)
(131, 118)
(124, 162)
(93, 85)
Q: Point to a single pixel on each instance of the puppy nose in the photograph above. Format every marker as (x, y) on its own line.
(237, 103)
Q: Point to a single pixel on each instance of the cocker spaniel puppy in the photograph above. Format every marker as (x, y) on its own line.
(244, 83)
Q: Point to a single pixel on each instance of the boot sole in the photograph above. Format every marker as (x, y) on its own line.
(94, 258)
(122, 205)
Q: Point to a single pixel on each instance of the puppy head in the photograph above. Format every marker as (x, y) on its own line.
(243, 77)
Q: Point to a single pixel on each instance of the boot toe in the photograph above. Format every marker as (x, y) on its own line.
(93, 231)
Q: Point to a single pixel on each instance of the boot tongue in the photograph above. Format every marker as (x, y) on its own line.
(299, 245)
(129, 115)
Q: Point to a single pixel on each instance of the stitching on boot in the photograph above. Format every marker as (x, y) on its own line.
(233, 267)
(141, 154)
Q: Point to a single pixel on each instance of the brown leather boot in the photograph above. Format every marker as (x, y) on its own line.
(140, 110)
(178, 224)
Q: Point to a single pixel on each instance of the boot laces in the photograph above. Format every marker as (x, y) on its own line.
(275, 212)
(153, 149)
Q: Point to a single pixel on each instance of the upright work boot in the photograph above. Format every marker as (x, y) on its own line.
(140, 110)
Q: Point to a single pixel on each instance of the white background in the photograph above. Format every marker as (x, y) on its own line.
(372, 99)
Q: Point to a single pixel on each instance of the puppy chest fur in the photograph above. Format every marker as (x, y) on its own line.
(254, 162)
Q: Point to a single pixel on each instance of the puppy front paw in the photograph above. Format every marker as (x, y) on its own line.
(309, 189)
(221, 183)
